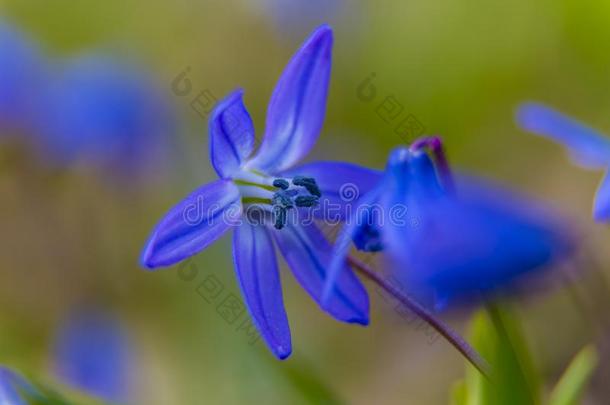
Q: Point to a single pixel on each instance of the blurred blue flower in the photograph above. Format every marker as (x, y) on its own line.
(103, 112)
(449, 241)
(257, 192)
(23, 74)
(13, 388)
(587, 147)
(92, 354)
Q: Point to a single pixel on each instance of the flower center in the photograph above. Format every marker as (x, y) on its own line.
(277, 195)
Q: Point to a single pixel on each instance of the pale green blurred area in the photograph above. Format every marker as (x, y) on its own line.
(460, 67)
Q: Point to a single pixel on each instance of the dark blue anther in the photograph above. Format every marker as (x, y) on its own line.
(306, 201)
(300, 180)
(368, 239)
(309, 183)
(281, 183)
(313, 189)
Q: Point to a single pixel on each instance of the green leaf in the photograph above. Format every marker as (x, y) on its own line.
(308, 383)
(459, 393)
(573, 381)
(36, 392)
(497, 335)
(301, 377)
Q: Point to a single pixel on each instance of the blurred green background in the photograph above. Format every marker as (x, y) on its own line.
(459, 67)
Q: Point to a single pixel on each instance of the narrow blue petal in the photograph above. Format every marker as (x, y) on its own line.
(93, 354)
(188, 228)
(259, 280)
(231, 134)
(308, 255)
(353, 225)
(297, 107)
(412, 188)
(601, 209)
(398, 186)
(341, 185)
(587, 147)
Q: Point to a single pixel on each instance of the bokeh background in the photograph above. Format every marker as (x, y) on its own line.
(73, 222)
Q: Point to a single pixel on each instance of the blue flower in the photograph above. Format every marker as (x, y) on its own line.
(587, 147)
(449, 240)
(103, 112)
(23, 73)
(92, 354)
(258, 193)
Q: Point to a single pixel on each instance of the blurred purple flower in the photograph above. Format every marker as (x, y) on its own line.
(22, 74)
(587, 147)
(256, 193)
(106, 113)
(92, 354)
(448, 245)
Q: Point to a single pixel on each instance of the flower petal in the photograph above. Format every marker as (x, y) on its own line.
(353, 225)
(587, 147)
(389, 196)
(601, 210)
(193, 224)
(409, 185)
(231, 134)
(259, 280)
(483, 241)
(340, 183)
(297, 107)
(308, 255)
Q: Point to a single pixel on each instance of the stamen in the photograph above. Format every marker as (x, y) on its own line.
(255, 192)
(278, 194)
(306, 201)
(282, 198)
(252, 178)
(255, 201)
(281, 183)
(309, 183)
(279, 214)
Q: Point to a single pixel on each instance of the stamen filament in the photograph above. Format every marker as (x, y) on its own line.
(255, 191)
(252, 177)
(255, 200)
